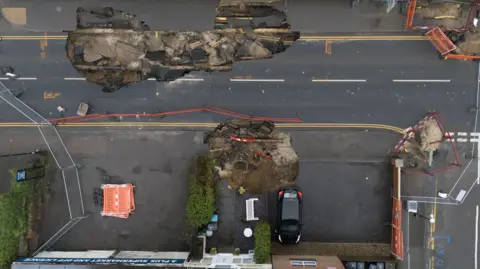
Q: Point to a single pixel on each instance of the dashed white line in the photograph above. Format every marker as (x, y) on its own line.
(74, 78)
(423, 80)
(255, 80)
(18, 78)
(339, 80)
(181, 79)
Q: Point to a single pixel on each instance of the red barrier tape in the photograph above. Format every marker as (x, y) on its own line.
(176, 112)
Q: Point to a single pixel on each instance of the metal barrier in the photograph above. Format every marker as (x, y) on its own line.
(397, 234)
(62, 158)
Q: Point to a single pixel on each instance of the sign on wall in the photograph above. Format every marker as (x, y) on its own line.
(102, 260)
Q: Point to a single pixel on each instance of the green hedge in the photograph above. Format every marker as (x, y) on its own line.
(13, 219)
(201, 196)
(263, 242)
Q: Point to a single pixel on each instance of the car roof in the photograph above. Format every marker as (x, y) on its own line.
(290, 209)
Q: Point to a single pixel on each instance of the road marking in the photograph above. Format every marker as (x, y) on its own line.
(50, 95)
(180, 79)
(423, 80)
(18, 78)
(476, 238)
(74, 78)
(339, 80)
(255, 80)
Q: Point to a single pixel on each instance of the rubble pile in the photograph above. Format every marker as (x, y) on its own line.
(428, 138)
(467, 43)
(263, 162)
(119, 49)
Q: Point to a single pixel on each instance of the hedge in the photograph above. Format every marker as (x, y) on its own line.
(262, 242)
(13, 219)
(201, 193)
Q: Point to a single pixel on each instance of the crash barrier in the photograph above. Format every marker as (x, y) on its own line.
(175, 112)
(412, 7)
(62, 158)
(397, 234)
(412, 131)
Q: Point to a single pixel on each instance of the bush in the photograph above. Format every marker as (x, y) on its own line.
(13, 219)
(201, 193)
(262, 242)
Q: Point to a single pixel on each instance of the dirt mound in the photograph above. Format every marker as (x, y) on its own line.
(468, 43)
(263, 161)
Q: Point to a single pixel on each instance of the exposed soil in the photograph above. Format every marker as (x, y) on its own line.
(264, 164)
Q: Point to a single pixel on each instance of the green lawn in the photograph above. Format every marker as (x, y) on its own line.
(13, 219)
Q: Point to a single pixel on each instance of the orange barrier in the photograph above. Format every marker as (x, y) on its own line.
(118, 200)
(216, 110)
(397, 234)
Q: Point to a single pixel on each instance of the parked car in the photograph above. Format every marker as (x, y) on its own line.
(289, 216)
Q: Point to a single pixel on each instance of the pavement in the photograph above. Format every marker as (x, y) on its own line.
(360, 81)
(199, 15)
(129, 156)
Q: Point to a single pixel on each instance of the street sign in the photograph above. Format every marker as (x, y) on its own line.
(100, 260)
(21, 175)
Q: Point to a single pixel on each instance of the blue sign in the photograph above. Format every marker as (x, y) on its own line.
(101, 260)
(21, 175)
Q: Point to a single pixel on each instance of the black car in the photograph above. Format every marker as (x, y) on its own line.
(289, 216)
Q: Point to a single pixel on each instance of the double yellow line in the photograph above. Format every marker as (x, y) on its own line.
(304, 38)
(212, 125)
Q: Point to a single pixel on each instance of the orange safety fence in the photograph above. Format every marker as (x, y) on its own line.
(216, 110)
(412, 5)
(397, 234)
(118, 200)
(440, 40)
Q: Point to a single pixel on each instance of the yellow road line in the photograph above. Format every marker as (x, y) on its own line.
(209, 125)
(304, 38)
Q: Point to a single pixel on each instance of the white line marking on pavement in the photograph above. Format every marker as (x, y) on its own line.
(478, 162)
(18, 78)
(179, 79)
(255, 80)
(74, 78)
(421, 80)
(339, 80)
(476, 238)
(462, 140)
(462, 134)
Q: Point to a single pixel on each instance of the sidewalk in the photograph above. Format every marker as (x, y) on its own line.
(306, 16)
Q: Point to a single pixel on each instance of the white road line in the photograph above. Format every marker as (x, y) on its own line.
(180, 79)
(255, 80)
(339, 80)
(18, 78)
(476, 238)
(74, 78)
(478, 161)
(462, 134)
(462, 140)
(421, 80)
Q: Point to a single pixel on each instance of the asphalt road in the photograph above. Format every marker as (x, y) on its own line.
(323, 16)
(368, 82)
